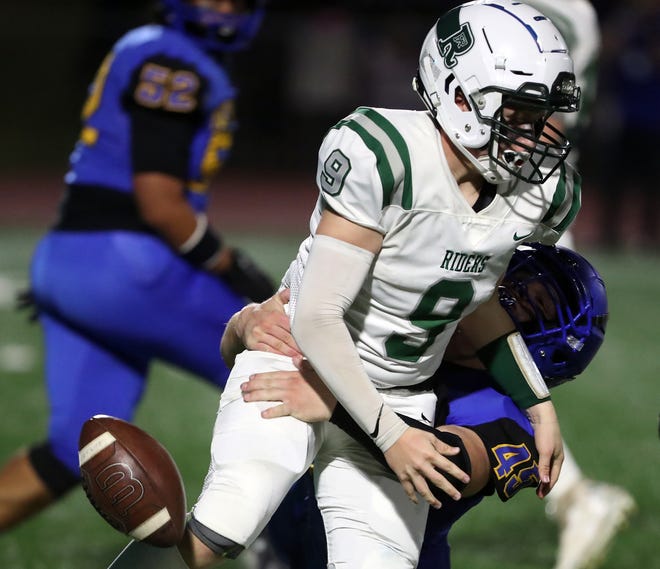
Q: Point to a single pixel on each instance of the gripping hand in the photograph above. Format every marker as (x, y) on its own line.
(25, 301)
(247, 279)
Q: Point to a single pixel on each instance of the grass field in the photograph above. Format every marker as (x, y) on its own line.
(609, 417)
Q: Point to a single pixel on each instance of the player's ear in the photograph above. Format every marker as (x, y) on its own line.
(461, 100)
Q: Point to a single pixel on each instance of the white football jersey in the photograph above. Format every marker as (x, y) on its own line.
(386, 170)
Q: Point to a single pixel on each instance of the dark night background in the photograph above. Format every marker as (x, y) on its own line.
(312, 63)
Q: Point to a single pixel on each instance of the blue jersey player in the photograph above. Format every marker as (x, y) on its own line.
(132, 271)
(558, 302)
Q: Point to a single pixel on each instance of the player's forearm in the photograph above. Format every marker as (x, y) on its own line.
(333, 277)
(542, 413)
(512, 367)
(232, 342)
(504, 353)
(548, 441)
(163, 206)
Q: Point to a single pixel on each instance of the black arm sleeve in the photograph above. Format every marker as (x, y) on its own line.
(161, 134)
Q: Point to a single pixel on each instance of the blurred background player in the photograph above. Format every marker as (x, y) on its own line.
(631, 51)
(132, 270)
(589, 512)
(559, 304)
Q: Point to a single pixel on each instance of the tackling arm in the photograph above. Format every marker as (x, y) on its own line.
(263, 326)
(505, 355)
(161, 200)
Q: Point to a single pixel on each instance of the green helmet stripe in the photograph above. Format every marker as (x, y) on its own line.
(454, 39)
(449, 24)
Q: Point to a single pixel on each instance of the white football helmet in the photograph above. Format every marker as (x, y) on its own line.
(499, 54)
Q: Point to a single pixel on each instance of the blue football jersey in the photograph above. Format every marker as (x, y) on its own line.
(158, 103)
(113, 295)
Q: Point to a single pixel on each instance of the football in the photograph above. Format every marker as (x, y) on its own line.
(132, 481)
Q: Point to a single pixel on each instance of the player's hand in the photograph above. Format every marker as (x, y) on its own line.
(547, 437)
(266, 327)
(418, 458)
(301, 393)
(25, 301)
(246, 278)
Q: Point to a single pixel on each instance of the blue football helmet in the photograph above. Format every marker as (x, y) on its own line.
(215, 31)
(558, 302)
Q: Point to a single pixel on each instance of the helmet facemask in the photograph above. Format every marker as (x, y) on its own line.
(530, 155)
(523, 143)
(558, 302)
(496, 56)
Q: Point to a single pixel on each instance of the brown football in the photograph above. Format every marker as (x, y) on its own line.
(132, 481)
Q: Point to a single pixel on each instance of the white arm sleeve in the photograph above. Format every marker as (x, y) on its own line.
(334, 273)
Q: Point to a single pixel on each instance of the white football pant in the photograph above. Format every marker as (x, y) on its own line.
(369, 520)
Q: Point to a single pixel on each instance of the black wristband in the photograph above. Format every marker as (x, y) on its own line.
(202, 245)
(246, 278)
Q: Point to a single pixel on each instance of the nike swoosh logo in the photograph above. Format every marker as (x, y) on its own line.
(517, 237)
(375, 432)
(425, 419)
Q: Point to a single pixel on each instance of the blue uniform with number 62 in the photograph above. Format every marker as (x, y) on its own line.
(112, 295)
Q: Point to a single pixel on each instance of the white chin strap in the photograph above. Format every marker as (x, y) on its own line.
(492, 172)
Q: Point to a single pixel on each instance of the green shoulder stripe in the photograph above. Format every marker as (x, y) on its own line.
(575, 204)
(373, 144)
(560, 196)
(391, 151)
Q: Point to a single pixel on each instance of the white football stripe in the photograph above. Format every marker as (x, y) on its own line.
(154, 523)
(92, 448)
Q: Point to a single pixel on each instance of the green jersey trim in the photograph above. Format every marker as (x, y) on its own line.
(575, 205)
(382, 165)
(559, 198)
(390, 149)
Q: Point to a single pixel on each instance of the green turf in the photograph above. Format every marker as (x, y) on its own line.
(609, 417)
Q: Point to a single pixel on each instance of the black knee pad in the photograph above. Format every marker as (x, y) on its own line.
(57, 477)
(217, 543)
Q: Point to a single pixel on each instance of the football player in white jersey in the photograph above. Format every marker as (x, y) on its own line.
(418, 216)
(559, 303)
